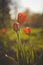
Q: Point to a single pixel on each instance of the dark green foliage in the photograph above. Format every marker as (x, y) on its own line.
(4, 14)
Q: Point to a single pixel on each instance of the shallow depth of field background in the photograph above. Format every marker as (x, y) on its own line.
(13, 53)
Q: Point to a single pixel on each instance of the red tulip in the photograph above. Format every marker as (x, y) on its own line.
(27, 30)
(16, 26)
(4, 31)
(22, 18)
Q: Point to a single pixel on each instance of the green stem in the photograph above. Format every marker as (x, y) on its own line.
(18, 36)
(19, 40)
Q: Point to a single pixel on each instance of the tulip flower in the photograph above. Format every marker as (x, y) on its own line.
(27, 30)
(4, 31)
(22, 18)
(16, 26)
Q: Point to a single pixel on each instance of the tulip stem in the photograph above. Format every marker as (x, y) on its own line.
(19, 40)
(18, 36)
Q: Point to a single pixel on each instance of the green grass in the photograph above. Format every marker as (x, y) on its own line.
(35, 37)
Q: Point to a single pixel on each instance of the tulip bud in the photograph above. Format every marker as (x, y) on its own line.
(27, 30)
(16, 26)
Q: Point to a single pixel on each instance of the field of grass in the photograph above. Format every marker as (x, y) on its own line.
(29, 52)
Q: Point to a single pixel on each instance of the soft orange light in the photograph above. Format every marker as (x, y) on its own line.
(4, 31)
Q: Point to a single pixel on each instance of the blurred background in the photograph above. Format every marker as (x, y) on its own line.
(33, 9)
(10, 54)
